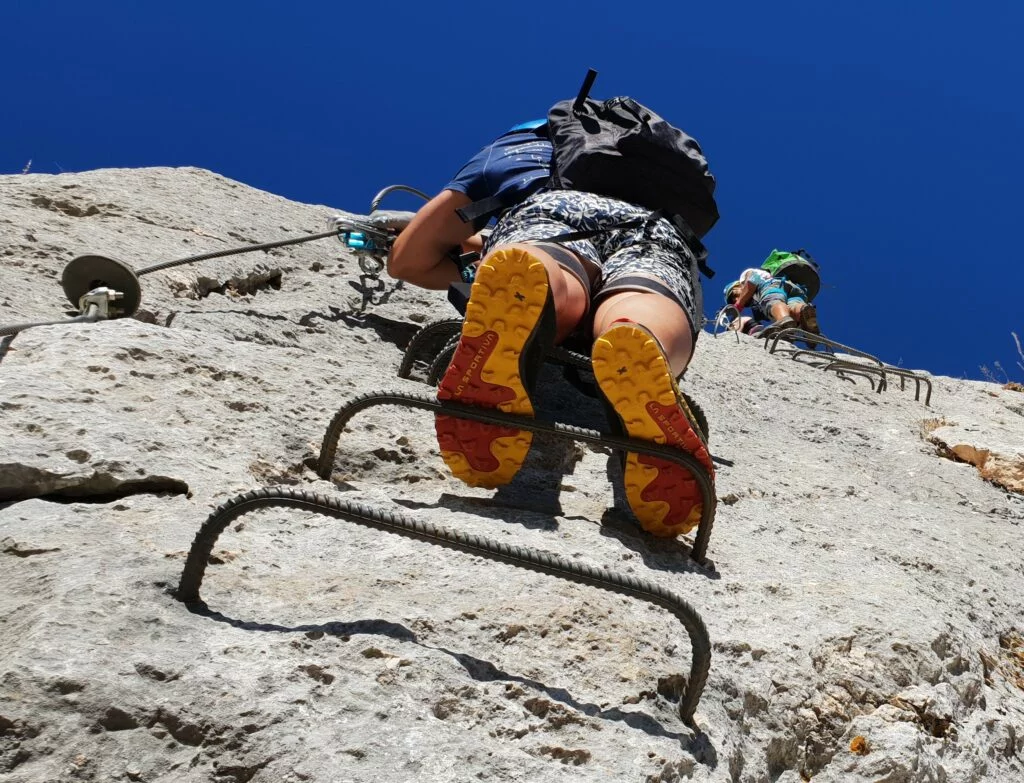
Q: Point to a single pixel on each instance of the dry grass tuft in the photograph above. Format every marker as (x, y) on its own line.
(1005, 381)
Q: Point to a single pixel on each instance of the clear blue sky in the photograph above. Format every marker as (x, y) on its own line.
(884, 136)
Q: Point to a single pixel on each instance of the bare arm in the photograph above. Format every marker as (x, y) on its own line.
(474, 244)
(745, 295)
(419, 255)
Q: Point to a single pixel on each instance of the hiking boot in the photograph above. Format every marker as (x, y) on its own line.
(509, 326)
(774, 328)
(809, 319)
(636, 381)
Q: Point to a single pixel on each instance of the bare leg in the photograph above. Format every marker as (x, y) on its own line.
(634, 365)
(661, 316)
(741, 324)
(780, 311)
(806, 315)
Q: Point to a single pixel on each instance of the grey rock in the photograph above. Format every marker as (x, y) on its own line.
(864, 602)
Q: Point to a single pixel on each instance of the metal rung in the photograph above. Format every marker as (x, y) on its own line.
(879, 368)
(202, 547)
(687, 461)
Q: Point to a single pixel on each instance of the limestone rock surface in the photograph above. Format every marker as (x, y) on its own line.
(864, 596)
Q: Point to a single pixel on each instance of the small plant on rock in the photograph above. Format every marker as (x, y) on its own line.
(1005, 382)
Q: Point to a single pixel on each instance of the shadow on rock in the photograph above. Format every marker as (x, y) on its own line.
(485, 671)
(533, 498)
(5, 344)
(478, 669)
(534, 514)
(659, 554)
(340, 629)
(397, 333)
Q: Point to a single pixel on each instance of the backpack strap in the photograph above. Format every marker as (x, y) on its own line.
(572, 236)
(488, 206)
(700, 253)
(584, 93)
(485, 207)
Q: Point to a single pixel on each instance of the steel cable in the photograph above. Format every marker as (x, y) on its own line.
(90, 316)
(235, 251)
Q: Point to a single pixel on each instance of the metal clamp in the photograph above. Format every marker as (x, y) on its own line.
(101, 299)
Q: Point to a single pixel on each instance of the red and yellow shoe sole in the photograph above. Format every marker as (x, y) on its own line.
(506, 304)
(635, 378)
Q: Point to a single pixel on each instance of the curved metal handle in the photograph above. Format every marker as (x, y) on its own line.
(533, 560)
(375, 204)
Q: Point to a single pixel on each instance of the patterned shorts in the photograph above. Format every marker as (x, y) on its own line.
(652, 257)
(778, 290)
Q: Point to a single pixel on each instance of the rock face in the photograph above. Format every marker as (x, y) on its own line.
(864, 602)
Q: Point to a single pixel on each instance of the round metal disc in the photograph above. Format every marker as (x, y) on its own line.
(88, 272)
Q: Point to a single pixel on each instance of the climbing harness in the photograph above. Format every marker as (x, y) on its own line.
(388, 521)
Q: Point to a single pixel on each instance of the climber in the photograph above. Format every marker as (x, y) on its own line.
(779, 292)
(562, 261)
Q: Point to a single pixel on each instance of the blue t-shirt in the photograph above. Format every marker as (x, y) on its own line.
(513, 167)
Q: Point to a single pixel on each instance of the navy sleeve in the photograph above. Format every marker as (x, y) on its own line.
(470, 179)
(513, 167)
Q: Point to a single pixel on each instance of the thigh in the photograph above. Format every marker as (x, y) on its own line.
(537, 220)
(652, 268)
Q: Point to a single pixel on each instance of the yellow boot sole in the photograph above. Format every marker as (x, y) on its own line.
(506, 305)
(635, 378)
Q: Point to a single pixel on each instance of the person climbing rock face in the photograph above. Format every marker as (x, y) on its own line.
(779, 292)
(629, 285)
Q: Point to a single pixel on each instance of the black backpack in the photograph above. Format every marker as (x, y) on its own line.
(622, 149)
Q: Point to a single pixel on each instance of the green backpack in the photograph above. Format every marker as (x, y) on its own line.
(796, 266)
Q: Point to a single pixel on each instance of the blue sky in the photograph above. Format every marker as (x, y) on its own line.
(886, 137)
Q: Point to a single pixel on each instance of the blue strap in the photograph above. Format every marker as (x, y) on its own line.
(530, 125)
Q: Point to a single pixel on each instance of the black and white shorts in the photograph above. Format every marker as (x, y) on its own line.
(652, 257)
